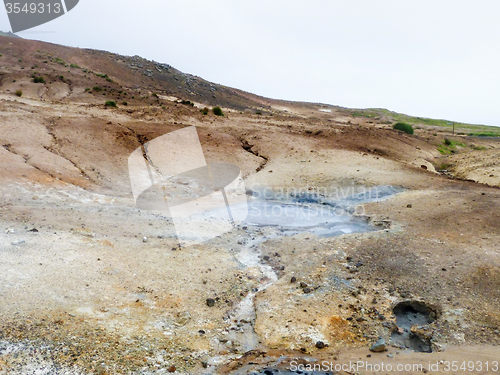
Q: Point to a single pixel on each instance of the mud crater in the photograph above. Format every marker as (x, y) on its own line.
(413, 319)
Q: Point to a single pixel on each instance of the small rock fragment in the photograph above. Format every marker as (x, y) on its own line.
(378, 347)
(171, 369)
(210, 302)
(293, 279)
(17, 243)
(144, 239)
(320, 344)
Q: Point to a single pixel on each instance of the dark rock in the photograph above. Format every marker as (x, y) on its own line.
(409, 205)
(303, 284)
(307, 290)
(34, 230)
(379, 346)
(204, 364)
(210, 302)
(293, 279)
(320, 344)
(172, 369)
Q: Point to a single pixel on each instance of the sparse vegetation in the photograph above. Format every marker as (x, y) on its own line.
(125, 103)
(110, 103)
(217, 111)
(362, 114)
(485, 134)
(444, 167)
(449, 146)
(407, 128)
(97, 88)
(478, 148)
(38, 79)
(187, 102)
(59, 61)
(205, 111)
(19, 93)
(74, 66)
(105, 76)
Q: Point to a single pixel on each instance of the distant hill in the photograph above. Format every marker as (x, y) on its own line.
(2, 33)
(85, 75)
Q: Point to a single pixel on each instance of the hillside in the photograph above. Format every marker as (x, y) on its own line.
(91, 284)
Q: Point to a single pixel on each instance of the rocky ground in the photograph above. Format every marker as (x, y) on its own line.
(90, 284)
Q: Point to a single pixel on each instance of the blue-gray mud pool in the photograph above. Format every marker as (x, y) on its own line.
(314, 213)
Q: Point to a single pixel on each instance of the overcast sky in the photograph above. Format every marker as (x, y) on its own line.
(438, 58)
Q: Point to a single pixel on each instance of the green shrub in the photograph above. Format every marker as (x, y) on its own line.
(97, 88)
(125, 103)
(205, 111)
(217, 111)
(187, 102)
(447, 142)
(74, 66)
(110, 103)
(407, 128)
(38, 79)
(484, 134)
(19, 93)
